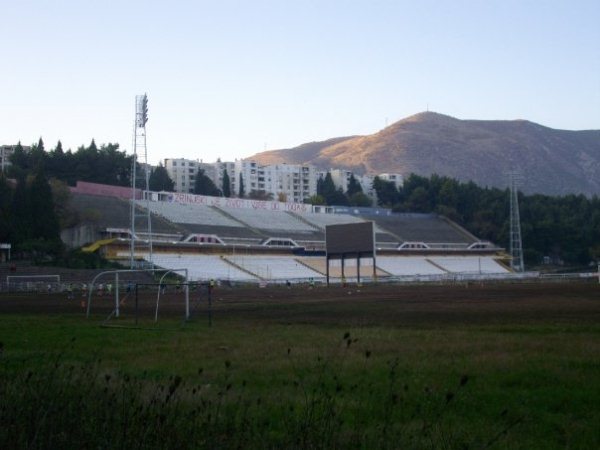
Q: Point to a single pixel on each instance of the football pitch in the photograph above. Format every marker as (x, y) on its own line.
(376, 366)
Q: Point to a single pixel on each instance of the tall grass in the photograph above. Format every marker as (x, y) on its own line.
(62, 405)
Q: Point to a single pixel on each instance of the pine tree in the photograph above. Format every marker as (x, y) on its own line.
(226, 184)
(5, 206)
(20, 223)
(332, 195)
(204, 185)
(241, 191)
(20, 162)
(354, 186)
(38, 155)
(41, 205)
(160, 180)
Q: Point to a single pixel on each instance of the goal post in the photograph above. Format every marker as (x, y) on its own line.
(29, 283)
(127, 272)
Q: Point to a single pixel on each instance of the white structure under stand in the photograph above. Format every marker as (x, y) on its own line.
(140, 181)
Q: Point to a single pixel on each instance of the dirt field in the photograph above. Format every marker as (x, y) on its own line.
(367, 305)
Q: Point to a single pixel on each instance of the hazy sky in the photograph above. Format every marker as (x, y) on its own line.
(231, 78)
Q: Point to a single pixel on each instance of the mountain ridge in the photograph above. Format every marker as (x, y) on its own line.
(553, 161)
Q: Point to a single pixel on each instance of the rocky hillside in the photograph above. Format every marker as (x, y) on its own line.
(555, 162)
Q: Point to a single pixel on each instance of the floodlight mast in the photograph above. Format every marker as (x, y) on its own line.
(140, 182)
(516, 245)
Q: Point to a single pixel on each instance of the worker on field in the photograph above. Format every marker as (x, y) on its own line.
(211, 285)
(70, 291)
(83, 289)
(108, 288)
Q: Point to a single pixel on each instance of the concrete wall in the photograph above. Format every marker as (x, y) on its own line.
(79, 236)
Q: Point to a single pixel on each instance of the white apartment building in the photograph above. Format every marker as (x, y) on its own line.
(341, 178)
(6, 152)
(286, 182)
(396, 178)
(295, 182)
(289, 182)
(183, 173)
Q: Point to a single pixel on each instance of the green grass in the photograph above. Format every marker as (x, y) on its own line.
(253, 382)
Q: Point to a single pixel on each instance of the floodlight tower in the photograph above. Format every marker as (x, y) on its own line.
(516, 245)
(140, 180)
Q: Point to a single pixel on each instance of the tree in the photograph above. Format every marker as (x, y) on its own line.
(331, 194)
(41, 205)
(37, 155)
(204, 185)
(354, 186)
(19, 161)
(65, 213)
(282, 197)
(5, 205)
(226, 184)
(359, 199)
(160, 180)
(20, 212)
(327, 188)
(241, 190)
(315, 200)
(338, 198)
(387, 194)
(260, 195)
(419, 200)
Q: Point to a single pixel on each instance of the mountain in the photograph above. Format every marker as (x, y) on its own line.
(554, 162)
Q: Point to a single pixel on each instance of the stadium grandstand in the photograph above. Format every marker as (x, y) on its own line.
(250, 240)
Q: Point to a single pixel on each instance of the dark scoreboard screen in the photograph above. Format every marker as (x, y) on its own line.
(350, 238)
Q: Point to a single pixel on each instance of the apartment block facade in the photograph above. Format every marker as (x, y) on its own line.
(285, 182)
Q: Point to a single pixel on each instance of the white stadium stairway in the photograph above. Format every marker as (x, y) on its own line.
(269, 220)
(190, 213)
(407, 265)
(469, 264)
(274, 267)
(202, 267)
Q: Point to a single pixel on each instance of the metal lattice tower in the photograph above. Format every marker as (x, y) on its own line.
(516, 245)
(140, 183)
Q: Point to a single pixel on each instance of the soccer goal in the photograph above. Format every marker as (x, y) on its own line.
(136, 301)
(33, 283)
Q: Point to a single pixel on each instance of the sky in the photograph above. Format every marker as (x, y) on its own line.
(227, 79)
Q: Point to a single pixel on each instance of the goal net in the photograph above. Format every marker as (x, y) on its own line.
(144, 303)
(33, 283)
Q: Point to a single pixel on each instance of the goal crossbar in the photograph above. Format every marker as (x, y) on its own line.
(28, 280)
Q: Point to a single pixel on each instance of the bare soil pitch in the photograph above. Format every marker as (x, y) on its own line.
(396, 305)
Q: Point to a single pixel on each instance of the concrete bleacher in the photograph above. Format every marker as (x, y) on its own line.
(408, 265)
(469, 264)
(274, 267)
(428, 228)
(269, 220)
(191, 213)
(202, 267)
(322, 220)
(111, 212)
